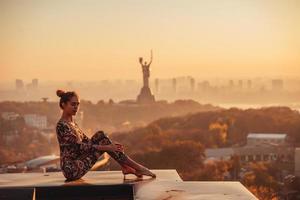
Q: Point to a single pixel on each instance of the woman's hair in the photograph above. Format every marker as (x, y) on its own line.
(65, 96)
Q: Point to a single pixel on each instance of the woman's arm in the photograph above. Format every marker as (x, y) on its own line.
(101, 147)
(109, 147)
(67, 136)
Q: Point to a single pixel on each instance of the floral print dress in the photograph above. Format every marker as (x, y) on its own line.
(77, 153)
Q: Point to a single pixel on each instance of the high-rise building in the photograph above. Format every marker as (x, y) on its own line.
(203, 86)
(277, 84)
(192, 84)
(231, 84)
(34, 83)
(297, 162)
(249, 84)
(19, 84)
(174, 84)
(240, 84)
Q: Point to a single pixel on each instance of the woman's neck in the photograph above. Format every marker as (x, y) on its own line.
(67, 117)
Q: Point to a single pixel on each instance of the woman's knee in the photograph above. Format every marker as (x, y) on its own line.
(98, 136)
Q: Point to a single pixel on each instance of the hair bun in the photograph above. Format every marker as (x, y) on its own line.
(60, 93)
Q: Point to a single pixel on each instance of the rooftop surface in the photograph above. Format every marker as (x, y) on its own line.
(110, 185)
(267, 135)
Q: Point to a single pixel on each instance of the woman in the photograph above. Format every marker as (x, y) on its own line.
(78, 153)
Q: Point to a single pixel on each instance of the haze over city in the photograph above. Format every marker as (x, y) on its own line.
(95, 40)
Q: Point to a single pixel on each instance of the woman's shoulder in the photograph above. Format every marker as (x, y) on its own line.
(63, 127)
(62, 123)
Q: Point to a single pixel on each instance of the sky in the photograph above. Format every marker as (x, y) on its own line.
(102, 39)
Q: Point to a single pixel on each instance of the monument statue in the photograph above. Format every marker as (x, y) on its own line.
(145, 95)
(146, 70)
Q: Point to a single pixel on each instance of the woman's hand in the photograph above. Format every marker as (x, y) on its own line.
(116, 147)
(111, 147)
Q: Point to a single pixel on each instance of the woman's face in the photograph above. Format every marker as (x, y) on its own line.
(72, 106)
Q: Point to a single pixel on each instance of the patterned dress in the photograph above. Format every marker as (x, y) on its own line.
(77, 154)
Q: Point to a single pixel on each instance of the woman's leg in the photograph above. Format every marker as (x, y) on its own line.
(75, 169)
(101, 138)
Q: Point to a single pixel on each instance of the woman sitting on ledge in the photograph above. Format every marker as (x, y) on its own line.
(78, 153)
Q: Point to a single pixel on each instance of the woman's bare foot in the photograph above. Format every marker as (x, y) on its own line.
(140, 169)
(129, 170)
(146, 171)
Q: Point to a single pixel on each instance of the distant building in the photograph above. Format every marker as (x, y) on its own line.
(35, 83)
(34, 120)
(249, 84)
(9, 137)
(277, 84)
(203, 86)
(240, 84)
(9, 115)
(260, 147)
(19, 84)
(219, 153)
(265, 153)
(192, 84)
(231, 84)
(262, 89)
(48, 133)
(297, 162)
(262, 139)
(252, 153)
(174, 85)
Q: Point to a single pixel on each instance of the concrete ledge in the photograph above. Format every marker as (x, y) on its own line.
(110, 185)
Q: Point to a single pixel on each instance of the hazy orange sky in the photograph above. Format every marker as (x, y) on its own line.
(102, 39)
